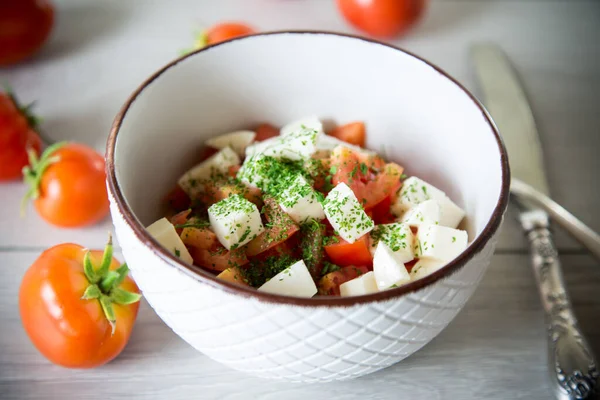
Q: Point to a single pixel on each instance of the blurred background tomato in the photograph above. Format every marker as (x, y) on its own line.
(24, 27)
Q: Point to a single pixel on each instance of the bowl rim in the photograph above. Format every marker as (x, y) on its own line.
(205, 277)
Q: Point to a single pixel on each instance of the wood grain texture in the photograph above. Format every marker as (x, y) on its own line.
(494, 349)
(99, 54)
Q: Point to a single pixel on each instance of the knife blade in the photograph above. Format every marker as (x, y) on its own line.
(573, 370)
(507, 103)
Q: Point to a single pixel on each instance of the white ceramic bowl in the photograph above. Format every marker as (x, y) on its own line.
(415, 114)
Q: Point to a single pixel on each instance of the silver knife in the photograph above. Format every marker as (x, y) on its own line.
(573, 370)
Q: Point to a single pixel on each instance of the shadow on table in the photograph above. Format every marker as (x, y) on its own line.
(79, 25)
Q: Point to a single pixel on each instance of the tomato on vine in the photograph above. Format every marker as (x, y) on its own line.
(67, 185)
(78, 306)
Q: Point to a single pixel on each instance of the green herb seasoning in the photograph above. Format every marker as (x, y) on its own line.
(329, 267)
(396, 236)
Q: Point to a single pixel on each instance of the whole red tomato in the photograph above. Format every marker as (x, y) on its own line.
(24, 27)
(382, 18)
(227, 30)
(77, 315)
(67, 185)
(17, 134)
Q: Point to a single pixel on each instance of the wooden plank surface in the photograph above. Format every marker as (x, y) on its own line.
(495, 349)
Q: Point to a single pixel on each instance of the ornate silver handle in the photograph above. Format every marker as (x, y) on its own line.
(580, 231)
(573, 369)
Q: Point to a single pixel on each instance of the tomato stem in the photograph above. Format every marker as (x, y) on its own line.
(105, 284)
(32, 174)
(106, 257)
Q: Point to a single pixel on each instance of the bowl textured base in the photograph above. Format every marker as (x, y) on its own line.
(287, 342)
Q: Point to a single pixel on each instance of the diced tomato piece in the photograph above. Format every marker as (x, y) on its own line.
(216, 191)
(320, 173)
(218, 258)
(329, 285)
(409, 265)
(369, 177)
(345, 254)
(233, 170)
(207, 152)
(281, 227)
(381, 213)
(265, 131)
(180, 218)
(178, 200)
(203, 238)
(353, 133)
(311, 244)
(233, 274)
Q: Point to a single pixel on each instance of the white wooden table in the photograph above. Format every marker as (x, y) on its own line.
(495, 349)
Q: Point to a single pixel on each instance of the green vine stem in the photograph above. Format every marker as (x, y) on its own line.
(33, 120)
(32, 173)
(104, 284)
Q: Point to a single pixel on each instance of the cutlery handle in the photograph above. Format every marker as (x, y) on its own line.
(573, 369)
(564, 218)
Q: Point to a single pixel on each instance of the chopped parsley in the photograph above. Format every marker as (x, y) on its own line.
(329, 267)
(395, 235)
(259, 271)
(177, 252)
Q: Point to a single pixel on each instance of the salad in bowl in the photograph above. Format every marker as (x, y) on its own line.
(299, 212)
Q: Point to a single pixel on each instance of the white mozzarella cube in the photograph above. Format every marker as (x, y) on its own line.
(311, 122)
(327, 142)
(295, 280)
(424, 267)
(427, 212)
(257, 148)
(301, 201)
(440, 242)
(450, 214)
(235, 221)
(364, 284)
(398, 237)
(388, 268)
(262, 172)
(192, 182)
(294, 146)
(415, 191)
(164, 232)
(237, 141)
(345, 213)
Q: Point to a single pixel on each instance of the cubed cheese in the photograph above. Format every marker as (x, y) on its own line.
(164, 232)
(345, 213)
(388, 268)
(237, 141)
(265, 173)
(301, 201)
(440, 242)
(327, 142)
(192, 182)
(450, 214)
(427, 212)
(295, 280)
(415, 191)
(295, 146)
(424, 267)
(257, 148)
(235, 221)
(364, 284)
(398, 237)
(311, 122)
